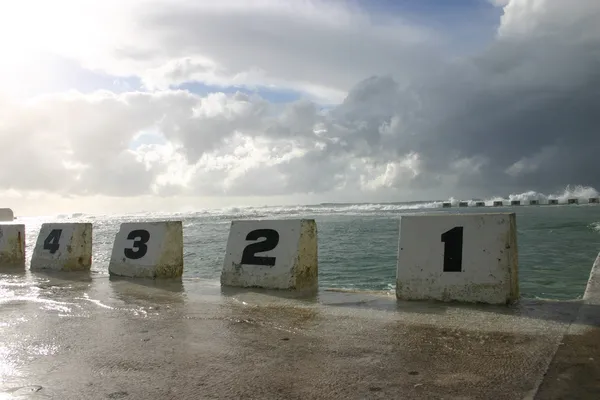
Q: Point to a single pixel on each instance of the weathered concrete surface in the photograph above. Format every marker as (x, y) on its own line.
(290, 244)
(157, 255)
(74, 337)
(482, 245)
(12, 246)
(575, 370)
(7, 214)
(72, 249)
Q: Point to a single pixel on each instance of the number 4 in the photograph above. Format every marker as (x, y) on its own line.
(453, 247)
(51, 242)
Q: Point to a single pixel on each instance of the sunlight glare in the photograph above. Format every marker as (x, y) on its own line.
(33, 30)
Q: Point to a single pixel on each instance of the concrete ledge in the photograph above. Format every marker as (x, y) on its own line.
(592, 290)
(574, 372)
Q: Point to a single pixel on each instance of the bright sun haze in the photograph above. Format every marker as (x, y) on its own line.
(174, 105)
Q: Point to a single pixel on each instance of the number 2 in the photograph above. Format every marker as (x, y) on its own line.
(453, 246)
(271, 241)
(140, 237)
(51, 242)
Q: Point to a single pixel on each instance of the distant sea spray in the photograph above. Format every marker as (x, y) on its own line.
(582, 193)
(358, 243)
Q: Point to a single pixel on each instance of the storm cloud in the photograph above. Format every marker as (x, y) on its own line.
(405, 118)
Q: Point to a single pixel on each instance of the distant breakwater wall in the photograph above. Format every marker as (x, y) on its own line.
(513, 203)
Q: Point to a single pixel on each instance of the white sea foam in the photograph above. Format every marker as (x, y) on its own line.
(582, 193)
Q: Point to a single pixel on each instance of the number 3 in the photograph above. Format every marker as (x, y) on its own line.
(140, 237)
(271, 241)
(453, 246)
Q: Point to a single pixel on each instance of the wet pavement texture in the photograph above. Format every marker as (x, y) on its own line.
(104, 339)
(575, 370)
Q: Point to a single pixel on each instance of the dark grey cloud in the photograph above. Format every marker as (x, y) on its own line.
(507, 105)
(521, 114)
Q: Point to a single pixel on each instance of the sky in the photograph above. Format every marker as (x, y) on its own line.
(178, 105)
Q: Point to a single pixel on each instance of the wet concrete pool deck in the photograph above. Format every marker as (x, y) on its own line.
(116, 339)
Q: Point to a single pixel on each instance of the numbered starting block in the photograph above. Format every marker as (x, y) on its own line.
(12, 246)
(272, 254)
(461, 257)
(148, 250)
(6, 214)
(63, 247)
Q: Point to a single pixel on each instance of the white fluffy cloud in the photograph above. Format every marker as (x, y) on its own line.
(213, 145)
(318, 47)
(412, 120)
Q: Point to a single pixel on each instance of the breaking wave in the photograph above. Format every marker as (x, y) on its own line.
(582, 193)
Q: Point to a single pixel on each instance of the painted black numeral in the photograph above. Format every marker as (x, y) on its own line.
(271, 241)
(140, 237)
(453, 246)
(51, 242)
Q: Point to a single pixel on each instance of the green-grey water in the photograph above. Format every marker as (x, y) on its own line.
(358, 243)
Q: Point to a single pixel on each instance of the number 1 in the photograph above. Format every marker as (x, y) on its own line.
(453, 246)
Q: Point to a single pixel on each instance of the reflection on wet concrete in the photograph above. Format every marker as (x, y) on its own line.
(299, 296)
(43, 292)
(73, 337)
(575, 369)
(147, 290)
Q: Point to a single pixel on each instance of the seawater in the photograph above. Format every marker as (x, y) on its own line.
(358, 243)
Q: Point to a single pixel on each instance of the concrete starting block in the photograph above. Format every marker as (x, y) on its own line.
(463, 204)
(593, 200)
(63, 247)
(6, 214)
(480, 204)
(465, 257)
(534, 202)
(446, 205)
(12, 246)
(553, 201)
(498, 203)
(148, 250)
(272, 254)
(573, 201)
